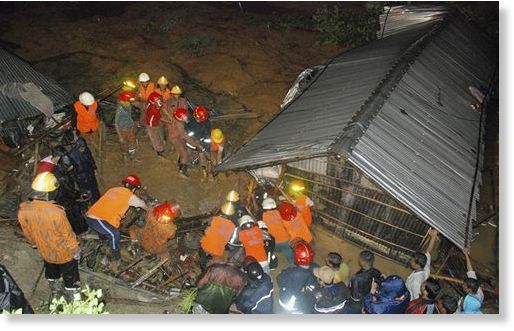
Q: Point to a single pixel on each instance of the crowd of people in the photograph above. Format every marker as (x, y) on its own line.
(242, 242)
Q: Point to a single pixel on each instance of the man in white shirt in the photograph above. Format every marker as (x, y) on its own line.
(421, 264)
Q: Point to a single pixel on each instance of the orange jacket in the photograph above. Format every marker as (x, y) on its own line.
(253, 243)
(144, 92)
(166, 96)
(305, 210)
(153, 236)
(112, 206)
(45, 225)
(276, 228)
(298, 229)
(217, 235)
(87, 121)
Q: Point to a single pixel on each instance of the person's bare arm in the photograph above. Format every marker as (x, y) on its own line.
(433, 238)
(466, 252)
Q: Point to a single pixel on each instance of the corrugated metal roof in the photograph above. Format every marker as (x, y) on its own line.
(400, 18)
(15, 70)
(400, 110)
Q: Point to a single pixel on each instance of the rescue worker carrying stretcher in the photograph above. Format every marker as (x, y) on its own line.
(106, 214)
(252, 239)
(157, 230)
(273, 220)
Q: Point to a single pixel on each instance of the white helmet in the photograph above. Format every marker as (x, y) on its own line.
(86, 98)
(246, 221)
(262, 225)
(143, 77)
(269, 203)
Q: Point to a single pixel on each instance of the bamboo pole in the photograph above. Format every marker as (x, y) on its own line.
(149, 273)
(365, 215)
(460, 281)
(36, 159)
(348, 191)
(366, 233)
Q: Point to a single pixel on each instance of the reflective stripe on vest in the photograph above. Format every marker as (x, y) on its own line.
(87, 120)
(112, 206)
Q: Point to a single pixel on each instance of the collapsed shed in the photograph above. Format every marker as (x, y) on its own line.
(27, 99)
(388, 136)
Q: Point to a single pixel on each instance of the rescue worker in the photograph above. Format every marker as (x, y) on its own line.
(302, 202)
(124, 124)
(331, 297)
(11, 295)
(199, 129)
(233, 196)
(273, 220)
(106, 214)
(85, 170)
(294, 224)
(234, 246)
(48, 163)
(217, 146)
(152, 122)
(87, 119)
(390, 297)
(144, 89)
(217, 289)
(297, 284)
(217, 235)
(157, 230)
(163, 89)
(269, 245)
(257, 296)
(178, 138)
(252, 239)
(45, 225)
(176, 101)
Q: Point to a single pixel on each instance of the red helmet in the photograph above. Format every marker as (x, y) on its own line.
(132, 180)
(303, 253)
(181, 114)
(166, 212)
(287, 211)
(201, 114)
(127, 96)
(154, 97)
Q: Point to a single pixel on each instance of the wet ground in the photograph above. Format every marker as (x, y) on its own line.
(87, 46)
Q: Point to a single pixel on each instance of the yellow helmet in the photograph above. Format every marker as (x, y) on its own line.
(296, 187)
(217, 136)
(162, 81)
(228, 209)
(232, 196)
(176, 90)
(45, 182)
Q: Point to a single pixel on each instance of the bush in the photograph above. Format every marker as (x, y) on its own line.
(281, 22)
(195, 45)
(188, 300)
(348, 29)
(160, 26)
(83, 303)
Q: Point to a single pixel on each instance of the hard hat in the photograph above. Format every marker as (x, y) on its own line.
(166, 212)
(45, 182)
(303, 253)
(253, 269)
(217, 136)
(162, 81)
(132, 181)
(296, 186)
(246, 222)
(201, 114)
(181, 114)
(86, 98)
(232, 196)
(269, 203)
(262, 225)
(143, 77)
(287, 211)
(176, 90)
(127, 96)
(154, 98)
(228, 209)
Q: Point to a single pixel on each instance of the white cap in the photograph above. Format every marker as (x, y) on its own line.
(269, 203)
(245, 219)
(86, 98)
(143, 77)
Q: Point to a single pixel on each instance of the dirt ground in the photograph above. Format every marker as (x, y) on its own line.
(251, 66)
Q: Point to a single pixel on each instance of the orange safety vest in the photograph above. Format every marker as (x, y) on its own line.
(275, 225)
(112, 206)
(153, 236)
(298, 229)
(45, 225)
(305, 210)
(166, 96)
(253, 243)
(144, 93)
(214, 240)
(87, 121)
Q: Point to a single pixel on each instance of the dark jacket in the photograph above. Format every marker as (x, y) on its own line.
(352, 306)
(331, 299)
(218, 287)
(296, 289)
(11, 296)
(387, 297)
(85, 171)
(256, 297)
(365, 278)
